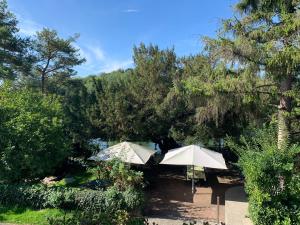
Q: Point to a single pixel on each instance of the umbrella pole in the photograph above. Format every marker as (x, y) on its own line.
(193, 181)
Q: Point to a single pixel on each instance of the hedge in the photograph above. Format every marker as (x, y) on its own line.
(41, 196)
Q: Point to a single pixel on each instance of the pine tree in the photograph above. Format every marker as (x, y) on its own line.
(55, 56)
(258, 51)
(14, 57)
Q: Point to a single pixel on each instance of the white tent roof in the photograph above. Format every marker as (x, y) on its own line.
(125, 151)
(194, 155)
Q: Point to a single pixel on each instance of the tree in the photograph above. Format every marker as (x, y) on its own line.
(55, 56)
(14, 57)
(264, 168)
(258, 53)
(152, 80)
(77, 104)
(223, 102)
(141, 104)
(33, 139)
(115, 109)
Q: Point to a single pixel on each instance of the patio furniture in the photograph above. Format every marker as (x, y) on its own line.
(194, 155)
(199, 173)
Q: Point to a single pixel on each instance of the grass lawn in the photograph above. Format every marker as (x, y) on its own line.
(21, 215)
(79, 178)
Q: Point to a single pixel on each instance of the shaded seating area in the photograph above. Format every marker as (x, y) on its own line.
(199, 173)
(169, 179)
(169, 194)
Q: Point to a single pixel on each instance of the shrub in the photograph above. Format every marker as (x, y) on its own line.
(120, 174)
(133, 198)
(36, 196)
(90, 200)
(119, 217)
(40, 196)
(110, 200)
(33, 138)
(114, 199)
(272, 180)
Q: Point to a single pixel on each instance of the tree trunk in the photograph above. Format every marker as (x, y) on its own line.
(43, 83)
(166, 144)
(44, 74)
(284, 109)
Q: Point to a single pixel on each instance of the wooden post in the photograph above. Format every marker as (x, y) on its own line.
(218, 209)
(193, 181)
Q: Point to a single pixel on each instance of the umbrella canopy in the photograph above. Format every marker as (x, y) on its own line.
(125, 151)
(194, 155)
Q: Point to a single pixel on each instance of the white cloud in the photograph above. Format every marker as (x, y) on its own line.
(116, 65)
(28, 26)
(97, 52)
(97, 61)
(130, 11)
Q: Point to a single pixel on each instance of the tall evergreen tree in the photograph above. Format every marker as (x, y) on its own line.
(55, 56)
(258, 51)
(14, 57)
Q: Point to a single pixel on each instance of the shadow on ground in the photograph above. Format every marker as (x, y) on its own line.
(169, 195)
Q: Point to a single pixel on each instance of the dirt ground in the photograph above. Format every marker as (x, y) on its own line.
(170, 196)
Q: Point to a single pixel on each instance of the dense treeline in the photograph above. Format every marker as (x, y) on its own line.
(245, 79)
(233, 86)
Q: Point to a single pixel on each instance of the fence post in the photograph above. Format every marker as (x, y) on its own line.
(218, 209)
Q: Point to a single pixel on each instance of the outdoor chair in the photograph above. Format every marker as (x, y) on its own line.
(199, 173)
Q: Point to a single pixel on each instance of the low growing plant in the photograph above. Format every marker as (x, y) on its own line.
(40, 196)
(119, 217)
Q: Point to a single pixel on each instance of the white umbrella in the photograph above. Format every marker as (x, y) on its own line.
(194, 155)
(125, 151)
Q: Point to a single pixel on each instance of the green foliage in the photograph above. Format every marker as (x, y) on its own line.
(119, 217)
(81, 218)
(154, 76)
(110, 200)
(14, 57)
(36, 196)
(133, 198)
(120, 174)
(140, 103)
(23, 215)
(40, 196)
(55, 56)
(254, 63)
(80, 178)
(33, 141)
(77, 103)
(272, 179)
(113, 108)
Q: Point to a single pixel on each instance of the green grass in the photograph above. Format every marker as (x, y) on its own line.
(79, 178)
(21, 215)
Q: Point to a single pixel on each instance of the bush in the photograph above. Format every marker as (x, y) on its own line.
(133, 198)
(120, 174)
(40, 196)
(119, 217)
(36, 196)
(33, 138)
(272, 179)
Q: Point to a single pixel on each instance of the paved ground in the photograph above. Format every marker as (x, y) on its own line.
(8, 224)
(170, 197)
(170, 200)
(236, 207)
(160, 221)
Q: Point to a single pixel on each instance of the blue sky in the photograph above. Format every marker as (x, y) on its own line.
(109, 29)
